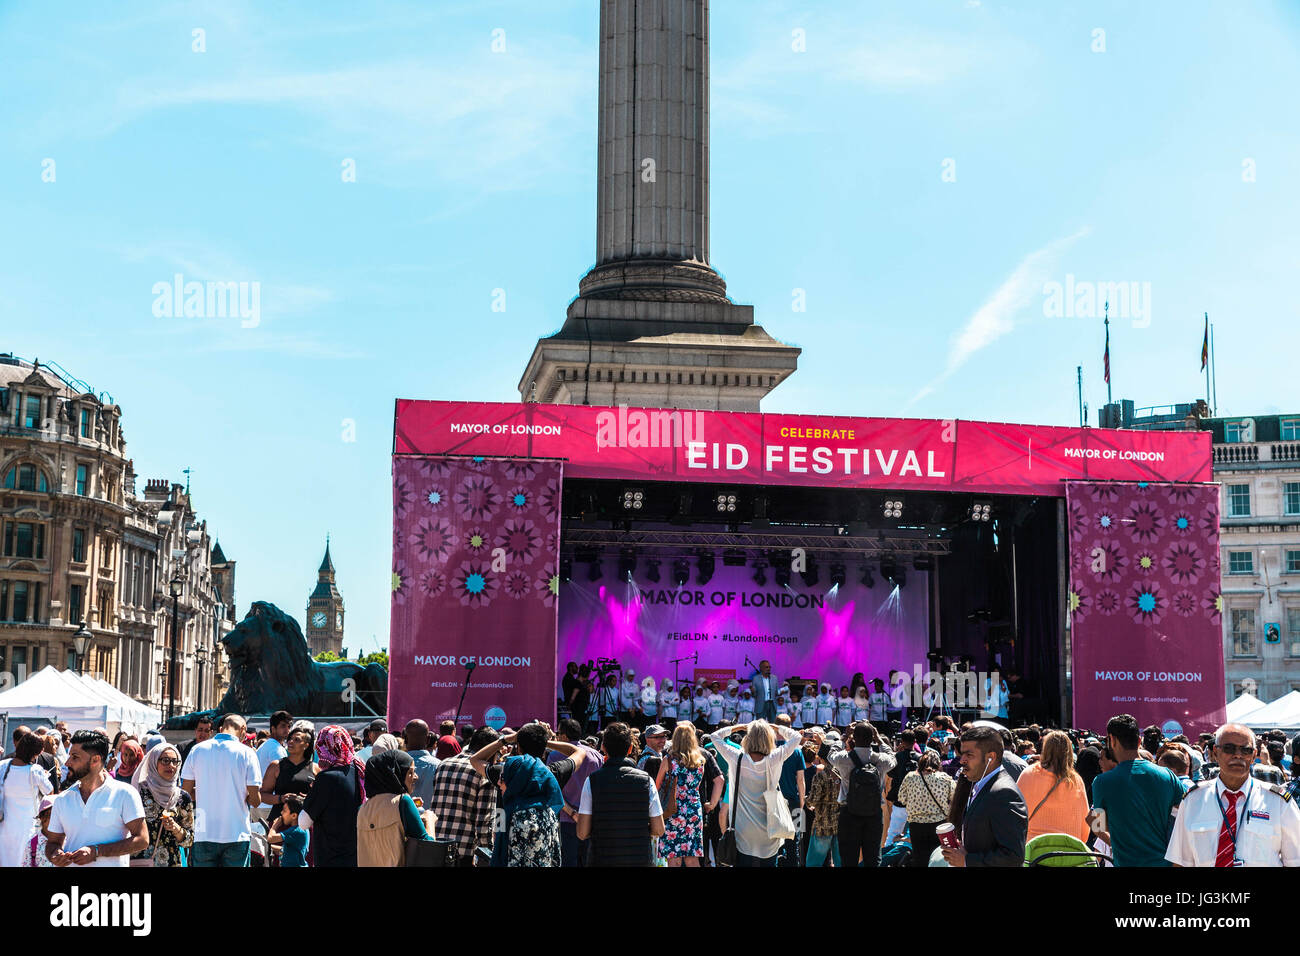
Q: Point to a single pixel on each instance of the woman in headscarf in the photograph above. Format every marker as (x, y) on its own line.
(385, 742)
(389, 816)
(1088, 766)
(530, 798)
(448, 746)
(330, 809)
(130, 757)
(649, 700)
(168, 810)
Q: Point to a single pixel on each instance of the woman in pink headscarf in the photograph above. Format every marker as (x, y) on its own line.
(330, 810)
(129, 756)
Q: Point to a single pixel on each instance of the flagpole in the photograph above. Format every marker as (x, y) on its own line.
(1109, 400)
(1214, 405)
(1082, 422)
(1206, 358)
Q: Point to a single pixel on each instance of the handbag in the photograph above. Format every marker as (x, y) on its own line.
(440, 851)
(780, 825)
(726, 852)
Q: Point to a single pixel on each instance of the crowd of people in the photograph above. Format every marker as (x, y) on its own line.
(746, 793)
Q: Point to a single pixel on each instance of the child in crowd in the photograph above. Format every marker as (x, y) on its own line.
(808, 705)
(649, 700)
(716, 701)
(861, 705)
(287, 834)
(826, 706)
(668, 701)
(700, 706)
(731, 703)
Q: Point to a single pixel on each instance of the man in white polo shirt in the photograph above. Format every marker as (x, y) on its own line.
(97, 821)
(224, 778)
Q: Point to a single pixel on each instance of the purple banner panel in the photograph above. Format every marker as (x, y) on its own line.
(810, 632)
(475, 581)
(1145, 606)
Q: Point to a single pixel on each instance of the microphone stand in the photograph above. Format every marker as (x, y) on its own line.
(469, 669)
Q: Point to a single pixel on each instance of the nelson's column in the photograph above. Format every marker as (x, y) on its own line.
(652, 324)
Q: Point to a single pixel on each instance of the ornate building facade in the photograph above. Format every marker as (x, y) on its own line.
(77, 545)
(325, 612)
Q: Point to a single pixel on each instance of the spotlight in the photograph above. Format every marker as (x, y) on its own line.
(867, 579)
(593, 571)
(726, 502)
(782, 576)
(626, 565)
(888, 567)
(894, 508)
(633, 499)
(566, 569)
(652, 570)
(681, 572)
(704, 568)
(760, 574)
(980, 510)
(809, 574)
(838, 575)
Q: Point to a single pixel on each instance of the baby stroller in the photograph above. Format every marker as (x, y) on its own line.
(1061, 849)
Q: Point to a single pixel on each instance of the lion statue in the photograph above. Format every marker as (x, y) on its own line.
(271, 669)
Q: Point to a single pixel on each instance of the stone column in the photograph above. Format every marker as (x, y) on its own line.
(652, 193)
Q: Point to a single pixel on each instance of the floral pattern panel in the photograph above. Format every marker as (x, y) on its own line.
(1144, 604)
(475, 580)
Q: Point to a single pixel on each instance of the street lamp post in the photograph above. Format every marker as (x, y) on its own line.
(175, 586)
(80, 639)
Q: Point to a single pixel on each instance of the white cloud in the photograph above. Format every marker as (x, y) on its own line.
(998, 315)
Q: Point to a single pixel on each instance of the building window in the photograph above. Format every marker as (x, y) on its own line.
(1293, 631)
(18, 666)
(1243, 632)
(1238, 501)
(81, 479)
(1241, 562)
(22, 600)
(74, 604)
(1291, 497)
(1290, 429)
(26, 478)
(24, 540)
(79, 545)
(32, 412)
(1232, 432)
(85, 423)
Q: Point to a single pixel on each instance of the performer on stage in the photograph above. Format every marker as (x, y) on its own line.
(717, 706)
(607, 700)
(668, 701)
(700, 705)
(764, 685)
(783, 706)
(878, 703)
(731, 701)
(808, 705)
(745, 711)
(844, 710)
(861, 704)
(826, 707)
(629, 699)
(898, 686)
(649, 701)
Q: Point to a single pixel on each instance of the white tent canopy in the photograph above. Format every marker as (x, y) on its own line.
(1282, 713)
(1242, 706)
(46, 697)
(142, 715)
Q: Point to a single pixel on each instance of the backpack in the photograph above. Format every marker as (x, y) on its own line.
(864, 789)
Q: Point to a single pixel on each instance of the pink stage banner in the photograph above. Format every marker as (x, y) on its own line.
(1144, 605)
(475, 581)
(815, 450)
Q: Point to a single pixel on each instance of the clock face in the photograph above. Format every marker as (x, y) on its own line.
(338, 620)
(318, 619)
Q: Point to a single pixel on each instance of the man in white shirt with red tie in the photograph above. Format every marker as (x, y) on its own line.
(1235, 820)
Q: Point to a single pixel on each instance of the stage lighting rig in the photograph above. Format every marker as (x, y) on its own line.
(894, 508)
(867, 580)
(566, 569)
(980, 511)
(681, 572)
(626, 564)
(810, 574)
(593, 571)
(838, 575)
(652, 570)
(633, 499)
(760, 574)
(704, 568)
(726, 503)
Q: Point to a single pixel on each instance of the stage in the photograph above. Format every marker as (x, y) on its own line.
(695, 544)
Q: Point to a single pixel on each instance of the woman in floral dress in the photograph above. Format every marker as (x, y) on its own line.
(683, 840)
(168, 810)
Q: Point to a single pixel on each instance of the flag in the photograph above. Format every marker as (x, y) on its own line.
(1105, 359)
(1205, 344)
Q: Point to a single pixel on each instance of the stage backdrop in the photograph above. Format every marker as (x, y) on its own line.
(817, 635)
(475, 580)
(1145, 606)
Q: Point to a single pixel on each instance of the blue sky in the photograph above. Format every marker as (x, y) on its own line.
(475, 171)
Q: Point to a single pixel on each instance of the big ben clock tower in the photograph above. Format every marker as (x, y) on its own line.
(325, 611)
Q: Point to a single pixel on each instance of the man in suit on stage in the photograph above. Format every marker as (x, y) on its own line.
(996, 821)
(765, 687)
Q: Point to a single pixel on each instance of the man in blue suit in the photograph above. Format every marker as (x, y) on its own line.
(765, 686)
